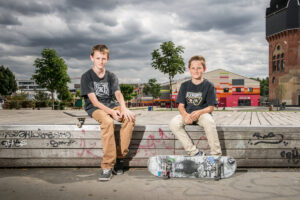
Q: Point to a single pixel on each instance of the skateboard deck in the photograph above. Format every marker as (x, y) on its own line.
(80, 118)
(178, 166)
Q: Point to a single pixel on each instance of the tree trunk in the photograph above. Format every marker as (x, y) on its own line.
(52, 98)
(171, 102)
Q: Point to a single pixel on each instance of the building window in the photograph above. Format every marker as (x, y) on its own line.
(282, 62)
(274, 64)
(237, 81)
(250, 89)
(273, 80)
(238, 89)
(226, 90)
(278, 61)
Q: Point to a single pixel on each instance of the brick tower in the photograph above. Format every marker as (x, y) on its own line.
(283, 36)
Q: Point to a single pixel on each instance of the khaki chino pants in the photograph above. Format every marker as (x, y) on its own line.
(110, 151)
(177, 124)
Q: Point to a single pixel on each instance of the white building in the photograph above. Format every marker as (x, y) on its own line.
(30, 88)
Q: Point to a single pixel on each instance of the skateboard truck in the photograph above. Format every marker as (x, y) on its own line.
(80, 118)
(80, 122)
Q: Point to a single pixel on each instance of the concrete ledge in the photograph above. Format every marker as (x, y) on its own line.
(70, 146)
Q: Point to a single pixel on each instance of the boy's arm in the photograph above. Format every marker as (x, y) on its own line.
(196, 114)
(186, 116)
(114, 113)
(125, 112)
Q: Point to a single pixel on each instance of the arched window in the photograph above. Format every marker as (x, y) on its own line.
(282, 62)
(274, 64)
(278, 61)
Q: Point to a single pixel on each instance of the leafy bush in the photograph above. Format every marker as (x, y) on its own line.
(26, 104)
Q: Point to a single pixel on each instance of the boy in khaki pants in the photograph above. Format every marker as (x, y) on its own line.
(196, 98)
(98, 87)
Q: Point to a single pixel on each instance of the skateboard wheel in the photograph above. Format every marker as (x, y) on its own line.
(79, 124)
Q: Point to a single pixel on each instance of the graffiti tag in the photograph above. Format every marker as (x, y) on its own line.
(265, 139)
(291, 156)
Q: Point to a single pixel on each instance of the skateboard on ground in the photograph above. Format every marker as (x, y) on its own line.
(80, 118)
(169, 166)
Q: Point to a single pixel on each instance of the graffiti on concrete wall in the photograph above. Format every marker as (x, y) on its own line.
(57, 143)
(18, 138)
(87, 150)
(35, 134)
(150, 148)
(11, 143)
(270, 138)
(292, 156)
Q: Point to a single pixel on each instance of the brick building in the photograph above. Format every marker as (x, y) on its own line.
(283, 34)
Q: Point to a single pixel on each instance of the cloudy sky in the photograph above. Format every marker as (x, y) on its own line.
(230, 34)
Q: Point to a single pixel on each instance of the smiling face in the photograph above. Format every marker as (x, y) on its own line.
(196, 69)
(99, 59)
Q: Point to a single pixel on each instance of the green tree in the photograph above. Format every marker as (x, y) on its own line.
(41, 96)
(8, 83)
(153, 88)
(64, 94)
(128, 91)
(78, 94)
(51, 73)
(18, 97)
(169, 61)
(264, 86)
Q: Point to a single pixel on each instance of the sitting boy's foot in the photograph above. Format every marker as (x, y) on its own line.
(119, 167)
(106, 175)
(200, 153)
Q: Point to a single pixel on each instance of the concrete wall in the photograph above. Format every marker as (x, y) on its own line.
(68, 145)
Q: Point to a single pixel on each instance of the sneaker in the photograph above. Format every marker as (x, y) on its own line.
(119, 167)
(200, 153)
(106, 175)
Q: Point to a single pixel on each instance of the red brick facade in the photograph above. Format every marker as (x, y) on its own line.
(284, 67)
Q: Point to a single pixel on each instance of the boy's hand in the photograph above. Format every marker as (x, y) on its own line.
(195, 115)
(116, 115)
(188, 119)
(127, 114)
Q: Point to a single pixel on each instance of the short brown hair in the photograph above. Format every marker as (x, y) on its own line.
(100, 47)
(198, 57)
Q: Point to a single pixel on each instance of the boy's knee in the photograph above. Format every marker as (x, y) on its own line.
(107, 122)
(208, 122)
(175, 123)
(128, 120)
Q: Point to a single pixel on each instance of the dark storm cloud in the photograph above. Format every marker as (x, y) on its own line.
(230, 24)
(235, 17)
(132, 29)
(93, 4)
(30, 7)
(8, 19)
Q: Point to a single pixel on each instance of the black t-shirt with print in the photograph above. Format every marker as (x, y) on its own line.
(104, 89)
(196, 97)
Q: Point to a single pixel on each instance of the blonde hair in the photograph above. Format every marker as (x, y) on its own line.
(100, 47)
(198, 57)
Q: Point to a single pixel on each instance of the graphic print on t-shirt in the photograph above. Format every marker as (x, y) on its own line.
(193, 98)
(101, 89)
